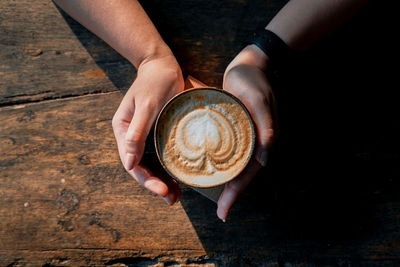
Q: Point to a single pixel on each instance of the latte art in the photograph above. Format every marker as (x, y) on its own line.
(204, 137)
(205, 141)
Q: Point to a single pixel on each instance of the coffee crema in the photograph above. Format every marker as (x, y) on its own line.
(204, 137)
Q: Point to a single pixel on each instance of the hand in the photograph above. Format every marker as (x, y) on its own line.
(245, 79)
(158, 80)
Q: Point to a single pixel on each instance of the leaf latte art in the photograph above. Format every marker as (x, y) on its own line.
(205, 137)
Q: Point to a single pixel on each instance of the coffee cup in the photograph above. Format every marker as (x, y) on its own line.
(204, 137)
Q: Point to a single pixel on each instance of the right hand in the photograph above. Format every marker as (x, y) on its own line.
(245, 78)
(158, 80)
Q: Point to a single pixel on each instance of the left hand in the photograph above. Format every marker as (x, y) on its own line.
(245, 78)
(158, 80)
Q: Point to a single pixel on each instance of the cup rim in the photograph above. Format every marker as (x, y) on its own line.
(205, 88)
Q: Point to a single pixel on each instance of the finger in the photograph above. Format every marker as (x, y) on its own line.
(174, 195)
(234, 188)
(261, 115)
(120, 123)
(145, 178)
(168, 190)
(136, 135)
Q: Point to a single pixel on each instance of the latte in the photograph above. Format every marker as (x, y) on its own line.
(204, 137)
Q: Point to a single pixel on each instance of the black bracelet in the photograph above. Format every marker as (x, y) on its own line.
(277, 50)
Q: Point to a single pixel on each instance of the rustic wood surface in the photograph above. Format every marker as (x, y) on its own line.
(330, 195)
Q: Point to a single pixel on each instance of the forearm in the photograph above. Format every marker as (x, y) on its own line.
(123, 24)
(301, 23)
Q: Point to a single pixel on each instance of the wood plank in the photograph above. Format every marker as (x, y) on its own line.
(63, 188)
(46, 55)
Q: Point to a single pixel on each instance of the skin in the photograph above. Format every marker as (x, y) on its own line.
(124, 25)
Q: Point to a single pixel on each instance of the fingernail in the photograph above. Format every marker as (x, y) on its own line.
(167, 200)
(222, 214)
(129, 161)
(263, 158)
(157, 187)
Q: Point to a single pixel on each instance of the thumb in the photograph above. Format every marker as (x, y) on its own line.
(234, 188)
(136, 135)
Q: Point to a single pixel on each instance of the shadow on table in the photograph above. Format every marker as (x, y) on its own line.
(334, 173)
(203, 37)
(335, 168)
(118, 70)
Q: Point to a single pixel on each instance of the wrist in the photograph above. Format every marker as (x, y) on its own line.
(161, 55)
(162, 66)
(153, 51)
(251, 55)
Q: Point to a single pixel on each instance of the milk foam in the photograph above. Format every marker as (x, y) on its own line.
(206, 137)
(202, 130)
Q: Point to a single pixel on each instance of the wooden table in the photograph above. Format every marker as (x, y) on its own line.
(330, 195)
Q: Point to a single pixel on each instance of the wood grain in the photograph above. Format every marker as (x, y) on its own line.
(48, 55)
(63, 188)
(330, 195)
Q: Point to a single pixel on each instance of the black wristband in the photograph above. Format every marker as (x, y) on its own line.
(277, 50)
